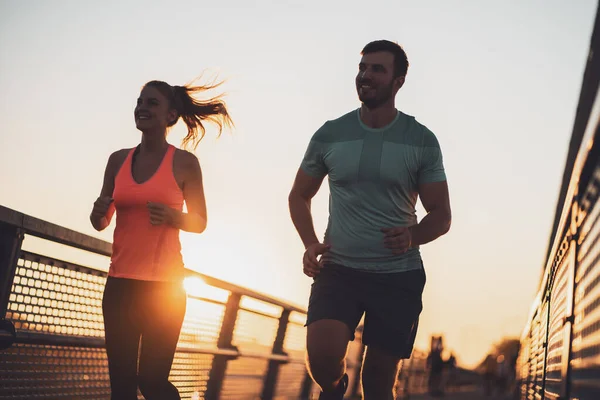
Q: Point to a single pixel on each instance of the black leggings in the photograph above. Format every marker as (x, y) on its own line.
(151, 313)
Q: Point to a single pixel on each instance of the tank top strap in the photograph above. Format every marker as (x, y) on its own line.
(124, 173)
(165, 170)
(129, 158)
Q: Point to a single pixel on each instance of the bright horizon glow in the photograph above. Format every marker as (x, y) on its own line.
(497, 85)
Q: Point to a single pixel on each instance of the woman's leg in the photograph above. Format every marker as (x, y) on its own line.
(122, 335)
(162, 320)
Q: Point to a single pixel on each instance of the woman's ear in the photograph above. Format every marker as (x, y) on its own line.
(172, 116)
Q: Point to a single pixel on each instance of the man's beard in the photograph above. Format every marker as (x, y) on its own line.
(382, 95)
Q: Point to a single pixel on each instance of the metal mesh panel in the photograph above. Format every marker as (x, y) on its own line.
(556, 334)
(58, 299)
(291, 376)
(585, 361)
(190, 374)
(531, 364)
(523, 365)
(53, 297)
(538, 338)
(254, 331)
(541, 352)
(58, 372)
(202, 323)
(53, 372)
(289, 381)
(295, 339)
(244, 379)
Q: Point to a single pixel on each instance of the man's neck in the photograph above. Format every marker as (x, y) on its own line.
(378, 117)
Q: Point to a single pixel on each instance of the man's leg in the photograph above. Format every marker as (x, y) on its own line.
(333, 314)
(379, 374)
(327, 343)
(393, 304)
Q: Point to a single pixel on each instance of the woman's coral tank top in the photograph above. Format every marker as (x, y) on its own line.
(142, 250)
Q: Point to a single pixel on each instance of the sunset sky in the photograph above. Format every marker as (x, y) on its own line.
(497, 83)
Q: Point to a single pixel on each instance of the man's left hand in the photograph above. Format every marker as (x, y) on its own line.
(398, 239)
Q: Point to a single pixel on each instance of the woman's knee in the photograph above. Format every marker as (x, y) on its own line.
(157, 389)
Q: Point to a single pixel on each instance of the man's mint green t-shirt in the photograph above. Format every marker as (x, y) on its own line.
(374, 175)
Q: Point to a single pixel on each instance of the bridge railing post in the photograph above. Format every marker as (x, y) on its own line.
(11, 239)
(219, 364)
(270, 381)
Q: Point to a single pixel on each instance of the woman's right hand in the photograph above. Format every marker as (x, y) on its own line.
(101, 207)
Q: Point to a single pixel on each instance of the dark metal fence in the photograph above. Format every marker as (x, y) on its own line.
(245, 345)
(560, 346)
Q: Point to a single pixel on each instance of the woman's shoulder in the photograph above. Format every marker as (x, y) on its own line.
(185, 158)
(117, 158)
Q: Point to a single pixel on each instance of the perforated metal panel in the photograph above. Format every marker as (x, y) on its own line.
(537, 354)
(291, 376)
(53, 372)
(55, 299)
(289, 381)
(244, 379)
(561, 295)
(541, 352)
(254, 331)
(202, 323)
(295, 339)
(585, 361)
(531, 361)
(189, 374)
(52, 297)
(523, 365)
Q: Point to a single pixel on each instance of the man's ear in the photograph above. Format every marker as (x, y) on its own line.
(399, 82)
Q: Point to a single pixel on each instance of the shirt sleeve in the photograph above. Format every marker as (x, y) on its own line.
(431, 168)
(313, 162)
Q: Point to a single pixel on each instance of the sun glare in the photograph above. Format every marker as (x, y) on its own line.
(195, 286)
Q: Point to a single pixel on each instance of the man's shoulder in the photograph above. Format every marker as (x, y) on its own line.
(416, 133)
(335, 130)
(350, 117)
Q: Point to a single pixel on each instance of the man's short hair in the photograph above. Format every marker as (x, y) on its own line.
(400, 59)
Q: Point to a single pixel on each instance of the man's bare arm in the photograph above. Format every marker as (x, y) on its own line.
(436, 200)
(304, 189)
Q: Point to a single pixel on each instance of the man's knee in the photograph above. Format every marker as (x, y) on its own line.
(327, 344)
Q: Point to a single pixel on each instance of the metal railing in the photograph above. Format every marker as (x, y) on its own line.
(244, 345)
(560, 345)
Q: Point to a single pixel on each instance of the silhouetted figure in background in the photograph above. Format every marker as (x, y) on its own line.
(436, 365)
(502, 374)
(451, 369)
(379, 161)
(144, 301)
(489, 374)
